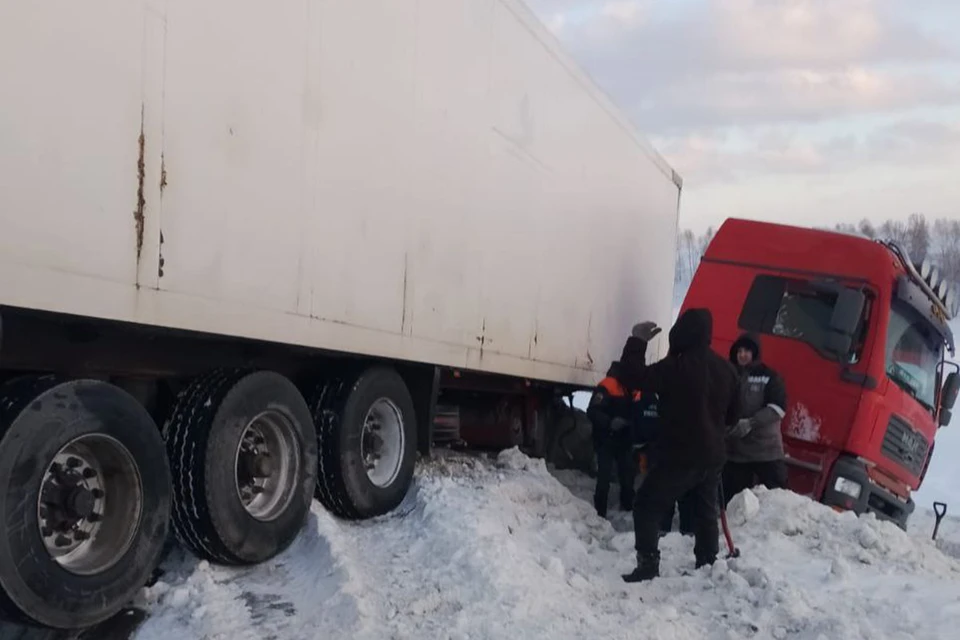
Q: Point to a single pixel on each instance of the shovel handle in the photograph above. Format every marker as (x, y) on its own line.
(940, 509)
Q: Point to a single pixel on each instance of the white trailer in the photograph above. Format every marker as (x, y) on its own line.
(280, 232)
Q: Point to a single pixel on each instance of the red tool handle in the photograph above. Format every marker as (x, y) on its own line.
(733, 552)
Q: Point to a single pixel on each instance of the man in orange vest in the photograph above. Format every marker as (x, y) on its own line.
(611, 412)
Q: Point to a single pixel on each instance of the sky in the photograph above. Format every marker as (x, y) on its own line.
(803, 111)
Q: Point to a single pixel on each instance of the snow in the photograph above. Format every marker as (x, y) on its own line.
(802, 425)
(501, 547)
(743, 507)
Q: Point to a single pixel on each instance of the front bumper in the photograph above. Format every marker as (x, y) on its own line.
(872, 498)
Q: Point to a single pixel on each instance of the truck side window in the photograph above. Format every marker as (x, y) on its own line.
(788, 308)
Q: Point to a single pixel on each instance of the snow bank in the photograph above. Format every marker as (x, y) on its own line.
(502, 549)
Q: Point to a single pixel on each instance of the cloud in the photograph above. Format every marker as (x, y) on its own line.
(784, 109)
(739, 35)
(592, 20)
(704, 159)
(740, 61)
(796, 95)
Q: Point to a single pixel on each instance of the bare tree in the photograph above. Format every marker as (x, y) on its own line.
(918, 237)
(704, 243)
(848, 229)
(894, 231)
(945, 250)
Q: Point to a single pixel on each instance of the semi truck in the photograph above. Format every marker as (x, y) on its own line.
(860, 334)
(247, 249)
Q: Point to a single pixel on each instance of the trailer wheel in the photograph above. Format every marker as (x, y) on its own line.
(81, 481)
(368, 442)
(243, 452)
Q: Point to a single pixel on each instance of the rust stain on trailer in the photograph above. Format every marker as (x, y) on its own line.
(160, 267)
(482, 338)
(138, 212)
(163, 173)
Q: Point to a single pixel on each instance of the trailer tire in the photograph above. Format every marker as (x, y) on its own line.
(344, 409)
(66, 448)
(230, 433)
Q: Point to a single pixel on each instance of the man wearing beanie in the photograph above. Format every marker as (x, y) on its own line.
(755, 444)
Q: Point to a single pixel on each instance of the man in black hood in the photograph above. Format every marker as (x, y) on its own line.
(755, 444)
(698, 400)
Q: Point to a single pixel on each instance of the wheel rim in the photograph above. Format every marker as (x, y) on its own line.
(267, 465)
(91, 497)
(382, 442)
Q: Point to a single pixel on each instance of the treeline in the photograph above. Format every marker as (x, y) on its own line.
(938, 240)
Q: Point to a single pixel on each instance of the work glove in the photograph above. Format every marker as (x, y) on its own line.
(646, 331)
(741, 429)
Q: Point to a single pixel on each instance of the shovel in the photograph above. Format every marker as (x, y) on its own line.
(732, 551)
(939, 510)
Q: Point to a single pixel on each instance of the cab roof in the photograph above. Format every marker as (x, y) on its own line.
(810, 251)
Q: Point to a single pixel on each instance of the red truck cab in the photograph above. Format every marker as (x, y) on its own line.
(859, 334)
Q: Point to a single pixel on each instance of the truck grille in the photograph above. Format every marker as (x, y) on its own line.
(905, 446)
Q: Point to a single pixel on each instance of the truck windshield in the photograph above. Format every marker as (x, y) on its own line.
(913, 353)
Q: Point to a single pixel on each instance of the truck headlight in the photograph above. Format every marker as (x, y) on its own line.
(848, 487)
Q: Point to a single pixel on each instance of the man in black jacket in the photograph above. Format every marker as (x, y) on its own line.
(698, 393)
(755, 444)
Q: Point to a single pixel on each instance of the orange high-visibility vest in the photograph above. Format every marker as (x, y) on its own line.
(612, 386)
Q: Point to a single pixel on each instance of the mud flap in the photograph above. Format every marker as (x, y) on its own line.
(120, 627)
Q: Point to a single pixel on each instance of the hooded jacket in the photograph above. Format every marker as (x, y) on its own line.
(697, 391)
(763, 402)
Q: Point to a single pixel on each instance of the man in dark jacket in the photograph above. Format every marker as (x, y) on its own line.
(755, 444)
(698, 392)
(611, 415)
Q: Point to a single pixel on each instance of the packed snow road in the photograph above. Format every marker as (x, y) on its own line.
(503, 549)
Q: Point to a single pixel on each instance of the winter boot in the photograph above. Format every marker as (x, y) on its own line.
(600, 506)
(648, 568)
(705, 562)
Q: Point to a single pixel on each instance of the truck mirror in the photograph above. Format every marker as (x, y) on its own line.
(951, 388)
(945, 415)
(843, 323)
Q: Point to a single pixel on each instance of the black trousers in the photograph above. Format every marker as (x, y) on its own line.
(612, 451)
(738, 476)
(664, 485)
(686, 505)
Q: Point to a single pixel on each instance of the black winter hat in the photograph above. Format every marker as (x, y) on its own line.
(749, 340)
(693, 329)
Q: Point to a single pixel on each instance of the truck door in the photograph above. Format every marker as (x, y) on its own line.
(793, 315)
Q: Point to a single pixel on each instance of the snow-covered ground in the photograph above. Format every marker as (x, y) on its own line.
(502, 548)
